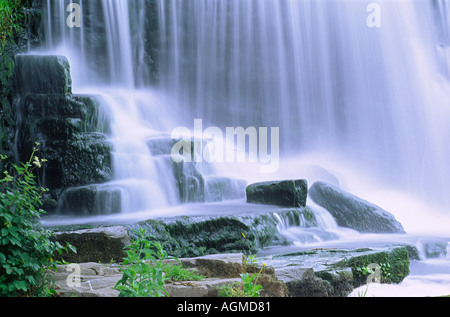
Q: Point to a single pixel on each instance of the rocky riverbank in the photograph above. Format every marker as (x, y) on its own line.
(311, 273)
(218, 236)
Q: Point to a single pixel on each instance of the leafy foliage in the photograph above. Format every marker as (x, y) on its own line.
(144, 273)
(26, 250)
(248, 287)
(12, 16)
(178, 273)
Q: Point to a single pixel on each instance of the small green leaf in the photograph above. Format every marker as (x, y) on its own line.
(20, 285)
(5, 232)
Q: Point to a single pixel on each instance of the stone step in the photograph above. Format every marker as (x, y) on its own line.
(98, 280)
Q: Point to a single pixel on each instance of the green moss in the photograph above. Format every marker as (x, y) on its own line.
(194, 236)
(394, 266)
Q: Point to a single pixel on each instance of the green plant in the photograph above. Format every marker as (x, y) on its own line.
(26, 250)
(364, 271)
(178, 273)
(363, 294)
(247, 287)
(251, 259)
(12, 17)
(143, 274)
(384, 269)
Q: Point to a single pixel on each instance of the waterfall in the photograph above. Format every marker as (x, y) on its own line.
(376, 98)
(106, 61)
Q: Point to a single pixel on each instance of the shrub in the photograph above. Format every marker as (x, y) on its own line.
(144, 273)
(26, 250)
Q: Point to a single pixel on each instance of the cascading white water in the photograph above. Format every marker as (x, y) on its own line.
(372, 103)
(376, 98)
(102, 55)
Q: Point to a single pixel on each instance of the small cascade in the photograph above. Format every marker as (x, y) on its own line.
(108, 57)
(102, 51)
(314, 224)
(146, 183)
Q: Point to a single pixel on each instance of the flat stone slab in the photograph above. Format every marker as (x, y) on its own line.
(86, 280)
(217, 265)
(204, 288)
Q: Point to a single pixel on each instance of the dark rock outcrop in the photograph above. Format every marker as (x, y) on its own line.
(353, 212)
(291, 193)
(43, 74)
(71, 129)
(95, 245)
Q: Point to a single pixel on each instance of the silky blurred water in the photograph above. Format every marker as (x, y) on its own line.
(363, 107)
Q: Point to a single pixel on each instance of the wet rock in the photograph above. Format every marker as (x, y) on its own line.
(43, 74)
(309, 273)
(393, 265)
(90, 200)
(199, 235)
(336, 272)
(95, 245)
(353, 212)
(292, 193)
(339, 282)
(71, 129)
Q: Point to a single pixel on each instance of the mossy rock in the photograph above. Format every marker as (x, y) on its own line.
(394, 265)
(290, 193)
(352, 212)
(197, 235)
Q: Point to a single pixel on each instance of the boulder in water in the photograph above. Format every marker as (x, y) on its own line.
(291, 193)
(353, 212)
(90, 200)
